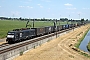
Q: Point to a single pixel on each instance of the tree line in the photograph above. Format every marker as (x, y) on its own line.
(43, 19)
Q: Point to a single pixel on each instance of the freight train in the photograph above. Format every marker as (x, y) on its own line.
(27, 33)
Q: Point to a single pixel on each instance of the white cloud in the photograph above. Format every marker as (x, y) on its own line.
(28, 6)
(46, 0)
(40, 5)
(25, 7)
(67, 4)
(71, 8)
(21, 6)
(31, 7)
(26, 2)
(86, 8)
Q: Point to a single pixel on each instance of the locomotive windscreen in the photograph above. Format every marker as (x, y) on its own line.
(10, 35)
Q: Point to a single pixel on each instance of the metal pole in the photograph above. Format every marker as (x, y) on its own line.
(56, 28)
(59, 21)
(79, 16)
(69, 17)
(33, 23)
(67, 21)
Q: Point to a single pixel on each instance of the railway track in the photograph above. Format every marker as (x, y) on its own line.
(4, 44)
(8, 47)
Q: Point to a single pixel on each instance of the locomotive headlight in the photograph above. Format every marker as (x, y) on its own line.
(10, 36)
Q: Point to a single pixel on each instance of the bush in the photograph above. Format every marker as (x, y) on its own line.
(21, 53)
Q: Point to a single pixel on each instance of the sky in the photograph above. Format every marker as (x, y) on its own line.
(52, 9)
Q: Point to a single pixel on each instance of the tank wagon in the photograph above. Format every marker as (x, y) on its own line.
(27, 33)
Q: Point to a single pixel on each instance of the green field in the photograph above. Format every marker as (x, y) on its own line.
(7, 25)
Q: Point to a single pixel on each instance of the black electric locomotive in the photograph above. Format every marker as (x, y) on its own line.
(20, 34)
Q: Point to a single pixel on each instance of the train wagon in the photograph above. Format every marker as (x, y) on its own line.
(63, 27)
(39, 31)
(66, 26)
(59, 27)
(49, 29)
(14, 36)
(74, 25)
(69, 25)
(78, 24)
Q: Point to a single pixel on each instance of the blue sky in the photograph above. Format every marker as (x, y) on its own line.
(54, 9)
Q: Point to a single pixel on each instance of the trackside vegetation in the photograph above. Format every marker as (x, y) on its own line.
(88, 46)
(80, 40)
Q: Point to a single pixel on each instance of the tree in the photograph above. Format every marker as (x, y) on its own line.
(86, 19)
(63, 19)
(20, 18)
(82, 20)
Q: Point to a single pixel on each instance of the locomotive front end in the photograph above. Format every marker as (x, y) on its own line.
(10, 37)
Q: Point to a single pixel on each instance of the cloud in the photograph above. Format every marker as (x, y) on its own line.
(29, 7)
(25, 7)
(46, 0)
(67, 4)
(0, 6)
(40, 5)
(71, 8)
(26, 2)
(86, 8)
(21, 6)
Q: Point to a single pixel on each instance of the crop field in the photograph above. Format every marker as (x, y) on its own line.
(8, 25)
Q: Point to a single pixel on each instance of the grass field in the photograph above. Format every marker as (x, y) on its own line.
(7, 25)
